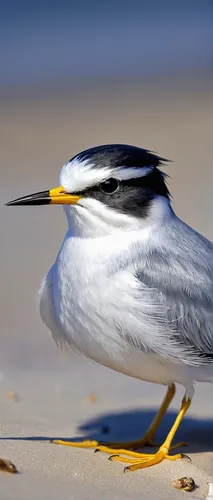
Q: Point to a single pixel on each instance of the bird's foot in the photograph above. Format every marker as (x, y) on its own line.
(77, 444)
(126, 448)
(109, 447)
(143, 460)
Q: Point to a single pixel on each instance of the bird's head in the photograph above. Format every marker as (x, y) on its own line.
(108, 188)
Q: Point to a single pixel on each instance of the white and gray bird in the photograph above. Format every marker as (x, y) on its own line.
(132, 285)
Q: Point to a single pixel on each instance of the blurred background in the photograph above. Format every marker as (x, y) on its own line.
(81, 73)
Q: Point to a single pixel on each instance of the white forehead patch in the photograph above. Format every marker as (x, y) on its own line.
(125, 173)
(78, 175)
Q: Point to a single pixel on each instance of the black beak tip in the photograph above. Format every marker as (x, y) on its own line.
(41, 198)
(13, 202)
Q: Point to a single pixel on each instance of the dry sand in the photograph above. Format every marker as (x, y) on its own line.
(52, 388)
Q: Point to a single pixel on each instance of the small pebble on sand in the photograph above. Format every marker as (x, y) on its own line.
(7, 466)
(184, 483)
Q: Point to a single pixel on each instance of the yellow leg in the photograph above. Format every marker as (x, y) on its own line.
(147, 440)
(143, 460)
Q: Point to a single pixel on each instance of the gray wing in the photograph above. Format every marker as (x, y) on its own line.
(180, 270)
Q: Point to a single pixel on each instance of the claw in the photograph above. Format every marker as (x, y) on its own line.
(112, 457)
(126, 469)
(186, 457)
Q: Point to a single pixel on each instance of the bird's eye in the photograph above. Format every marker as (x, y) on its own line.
(109, 186)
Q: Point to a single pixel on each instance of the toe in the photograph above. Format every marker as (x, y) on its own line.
(76, 444)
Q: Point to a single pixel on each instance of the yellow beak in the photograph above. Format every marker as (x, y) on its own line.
(56, 195)
(59, 196)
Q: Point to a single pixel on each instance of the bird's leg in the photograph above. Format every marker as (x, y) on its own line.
(149, 437)
(147, 440)
(142, 460)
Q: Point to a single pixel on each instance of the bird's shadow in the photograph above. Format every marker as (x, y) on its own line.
(131, 424)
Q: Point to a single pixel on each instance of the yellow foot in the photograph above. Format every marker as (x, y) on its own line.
(126, 448)
(111, 446)
(107, 447)
(129, 447)
(77, 444)
(144, 460)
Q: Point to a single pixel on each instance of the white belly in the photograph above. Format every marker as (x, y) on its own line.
(90, 311)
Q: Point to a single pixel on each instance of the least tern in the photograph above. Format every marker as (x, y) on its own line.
(132, 285)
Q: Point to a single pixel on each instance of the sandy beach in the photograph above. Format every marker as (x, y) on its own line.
(51, 388)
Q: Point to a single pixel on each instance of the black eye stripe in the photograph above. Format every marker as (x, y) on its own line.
(153, 182)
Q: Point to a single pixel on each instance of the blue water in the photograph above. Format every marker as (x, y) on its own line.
(67, 41)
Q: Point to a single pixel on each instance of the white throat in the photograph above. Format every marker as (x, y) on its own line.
(91, 219)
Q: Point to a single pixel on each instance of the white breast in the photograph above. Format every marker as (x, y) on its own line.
(87, 301)
(92, 306)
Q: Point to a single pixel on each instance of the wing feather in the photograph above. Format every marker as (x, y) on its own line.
(179, 267)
